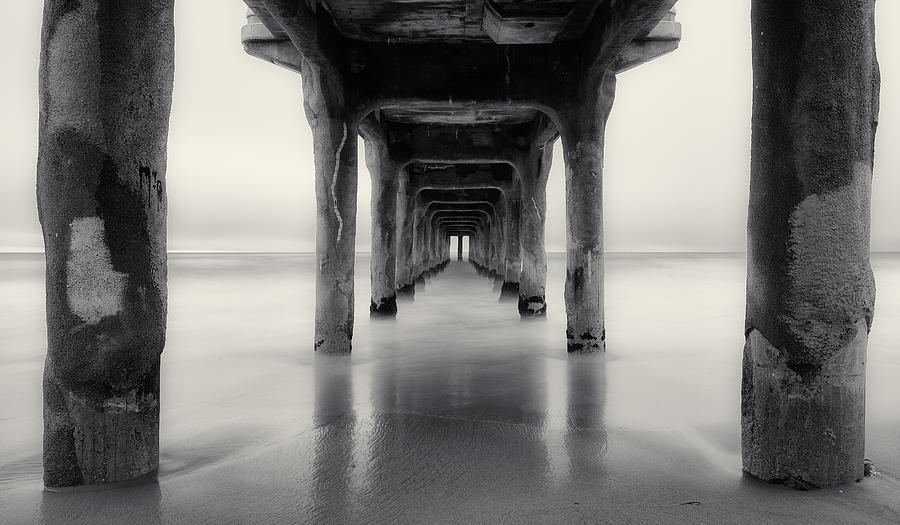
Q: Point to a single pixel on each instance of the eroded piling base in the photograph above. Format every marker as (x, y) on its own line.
(532, 307)
(804, 425)
(386, 307)
(92, 437)
(586, 342)
(406, 293)
(333, 339)
(509, 292)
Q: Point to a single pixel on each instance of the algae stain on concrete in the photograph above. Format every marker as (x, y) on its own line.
(833, 286)
(94, 289)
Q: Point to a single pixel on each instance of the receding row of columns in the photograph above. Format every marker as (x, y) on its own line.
(105, 92)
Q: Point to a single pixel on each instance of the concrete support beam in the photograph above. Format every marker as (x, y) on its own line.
(582, 129)
(475, 74)
(468, 101)
(479, 215)
(513, 258)
(491, 200)
(810, 290)
(469, 76)
(261, 43)
(335, 138)
(455, 144)
(613, 30)
(105, 92)
(489, 229)
(384, 172)
(661, 40)
(311, 31)
(534, 170)
(406, 205)
(459, 248)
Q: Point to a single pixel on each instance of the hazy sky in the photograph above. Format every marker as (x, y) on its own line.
(240, 173)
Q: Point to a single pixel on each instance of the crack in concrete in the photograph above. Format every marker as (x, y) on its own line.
(537, 210)
(334, 176)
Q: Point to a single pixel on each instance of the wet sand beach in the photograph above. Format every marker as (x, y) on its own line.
(456, 412)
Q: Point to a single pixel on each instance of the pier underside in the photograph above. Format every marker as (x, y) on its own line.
(459, 104)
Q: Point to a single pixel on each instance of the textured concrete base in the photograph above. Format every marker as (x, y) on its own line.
(88, 442)
(336, 340)
(532, 307)
(586, 342)
(386, 307)
(804, 425)
(509, 292)
(407, 292)
(150, 478)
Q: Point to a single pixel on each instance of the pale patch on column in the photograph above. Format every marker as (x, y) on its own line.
(94, 289)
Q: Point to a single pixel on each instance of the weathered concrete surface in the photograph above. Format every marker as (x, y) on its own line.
(429, 202)
(648, 45)
(334, 137)
(513, 266)
(414, 66)
(534, 170)
(385, 175)
(582, 130)
(476, 217)
(404, 234)
(105, 92)
(810, 290)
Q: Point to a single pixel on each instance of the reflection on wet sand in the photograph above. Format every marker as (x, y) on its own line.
(455, 412)
(447, 426)
(139, 503)
(335, 421)
(586, 439)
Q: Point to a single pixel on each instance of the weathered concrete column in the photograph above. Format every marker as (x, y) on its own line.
(405, 223)
(418, 255)
(335, 137)
(498, 253)
(513, 259)
(445, 249)
(384, 173)
(582, 129)
(441, 247)
(534, 170)
(810, 290)
(459, 247)
(105, 92)
(481, 244)
(433, 246)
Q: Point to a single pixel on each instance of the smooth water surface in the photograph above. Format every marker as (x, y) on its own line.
(455, 412)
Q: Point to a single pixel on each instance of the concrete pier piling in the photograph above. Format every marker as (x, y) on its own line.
(513, 262)
(404, 277)
(106, 78)
(582, 130)
(385, 174)
(535, 169)
(334, 144)
(459, 122)
(810, 290)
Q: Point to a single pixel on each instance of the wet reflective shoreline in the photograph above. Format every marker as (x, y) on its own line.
(455, 412)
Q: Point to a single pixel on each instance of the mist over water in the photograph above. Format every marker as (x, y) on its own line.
(457, 411)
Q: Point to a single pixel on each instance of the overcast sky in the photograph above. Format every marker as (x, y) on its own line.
(240, 175)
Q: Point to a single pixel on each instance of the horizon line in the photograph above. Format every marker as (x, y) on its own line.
(266, 252)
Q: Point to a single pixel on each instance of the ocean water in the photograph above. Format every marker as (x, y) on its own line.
(457, 411)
